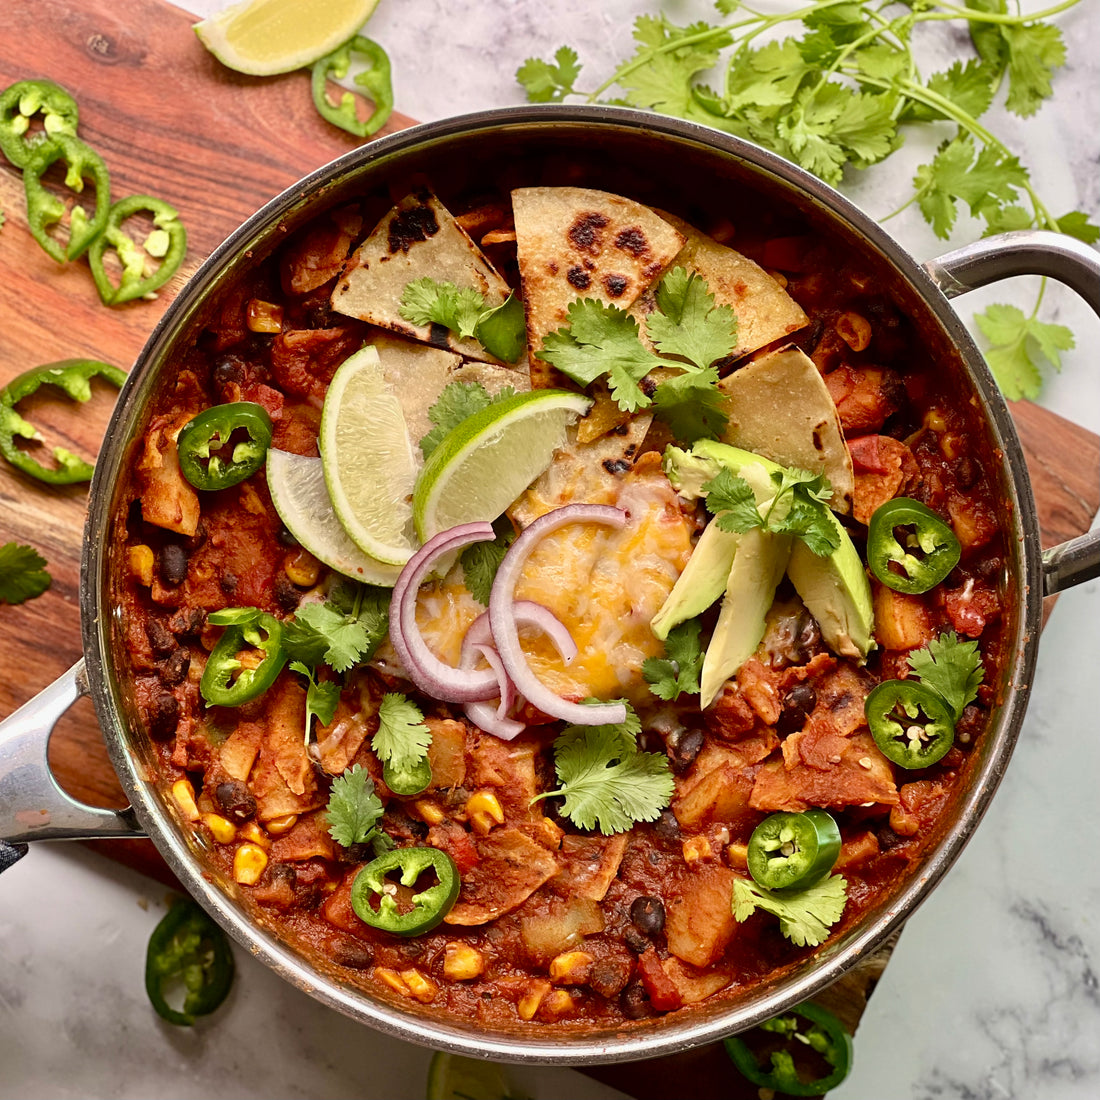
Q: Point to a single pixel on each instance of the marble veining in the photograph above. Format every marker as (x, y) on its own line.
(992, 993)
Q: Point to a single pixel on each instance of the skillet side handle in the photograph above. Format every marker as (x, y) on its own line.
(1069, 261)
(32, 805)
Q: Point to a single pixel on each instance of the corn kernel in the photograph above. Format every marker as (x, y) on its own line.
(264, 316)
(529, 1003)
(141, 564)
(184, 794)
(696, 849)
(223, 830)
(549, 834)
(302, 568)
(949, 445)
(934, 419)
(279, 825)
(571, 967)
(461, 962)
(249, 864)
(420, 986)
(393, 980)
(854, 329)
(558, 1003)
(483, 809)
(737, 856)
(429, 811)
(254, 834)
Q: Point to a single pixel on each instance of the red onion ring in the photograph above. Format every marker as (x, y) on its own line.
(505, 628)
(433, 677)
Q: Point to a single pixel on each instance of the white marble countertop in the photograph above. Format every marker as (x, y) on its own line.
(993, 991)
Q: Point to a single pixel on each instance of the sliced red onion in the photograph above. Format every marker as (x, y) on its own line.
(484, 715)
(433, 677)
(505, 628)
(529, 613)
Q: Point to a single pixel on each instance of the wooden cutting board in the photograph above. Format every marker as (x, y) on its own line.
(170, 121)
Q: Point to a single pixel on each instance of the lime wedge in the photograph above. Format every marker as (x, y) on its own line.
(368, 459)
(454, 1077)
(300, 496)
(263, 37)
(487, 460)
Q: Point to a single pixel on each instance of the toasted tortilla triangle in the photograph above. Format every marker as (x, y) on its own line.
(764, 310)
(417, 238)
(779, 407)
(576, 243)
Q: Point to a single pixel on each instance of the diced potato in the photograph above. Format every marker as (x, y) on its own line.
(699, 921)
(901, 621)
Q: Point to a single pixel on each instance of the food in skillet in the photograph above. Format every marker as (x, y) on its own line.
(682, 608)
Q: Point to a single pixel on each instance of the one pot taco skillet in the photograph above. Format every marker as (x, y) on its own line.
(759, 613)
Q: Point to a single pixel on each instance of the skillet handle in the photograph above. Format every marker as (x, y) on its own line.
(1070, 261)
(32, 805)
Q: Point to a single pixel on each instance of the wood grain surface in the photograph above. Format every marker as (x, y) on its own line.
(170, 121)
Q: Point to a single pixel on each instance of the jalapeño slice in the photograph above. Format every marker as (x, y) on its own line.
(793, 850)
(428, 906)
(911, 723)
(206, 458)
(929, 551)
(410, 780)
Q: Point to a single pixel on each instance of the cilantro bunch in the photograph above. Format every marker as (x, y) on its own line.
(22, 573)
(843, 91)
(690, 332)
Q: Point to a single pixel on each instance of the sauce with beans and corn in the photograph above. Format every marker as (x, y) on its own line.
(553, 924)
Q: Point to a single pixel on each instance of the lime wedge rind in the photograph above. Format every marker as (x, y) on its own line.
(485, 462)
(369, 462)
(298, 491)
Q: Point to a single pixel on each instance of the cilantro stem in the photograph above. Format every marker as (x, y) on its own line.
(972, 15)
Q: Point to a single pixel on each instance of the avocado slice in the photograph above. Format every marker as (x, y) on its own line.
(702, 581)
(835, 589)
(758, 565)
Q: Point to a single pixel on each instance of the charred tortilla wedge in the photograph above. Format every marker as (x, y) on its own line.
(764, 310)
(779, 407)
(417, 238)
(576, 243)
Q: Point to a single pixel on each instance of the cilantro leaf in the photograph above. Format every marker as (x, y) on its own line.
(546, 83)
(1076, 223)
(602, 340)
(402, 739)
(732, 501)
(968, 85)
(687, 323)
(353, 808)
(807, 516)
(321, 697)
(426, 302)
(950, 667)
(457, 401)
(481, 561)
(22, 573)
(804, 918)
(339, 637)
(677, 673)
(606, 782)
(1035, 50)
(692, 405)
(1019, 344)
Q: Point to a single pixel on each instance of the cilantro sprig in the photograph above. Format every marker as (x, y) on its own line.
(499, 329)
(343, 631)
(402, 738)
(677, 673)
(799, 507)
(353, 810)
(690, 332)
(606, 782)
(805, 917)
(843, 90)
(950, 667)
(23, 573)
(322, 697)
(457, 402)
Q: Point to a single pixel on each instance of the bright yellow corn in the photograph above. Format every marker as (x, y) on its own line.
(696, 849)
(420, 986)
(279, 825)
(222, 829)
(429, 811)
(141, 564)
(393, 980)
(558, 1003)
(570, 967)
(184, 794)
(529, 1003)
(249, 864)
(461, 962)
(302, 568)
(483, 810)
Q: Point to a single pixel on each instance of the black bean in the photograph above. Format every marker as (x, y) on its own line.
(647, 914)
(888, 839)
(635, 1002)
(683, 748)
(287, 594)
(633, 939)
(798, 704)
(227, 370)
(172, 561)
(356, 956)
(286, 538)
(163, 716)
(188, 620)
(967, 472)
(160, 637)
(174, 670)
(229, 582)
(666, 826)
(608, 977)
(235, 800)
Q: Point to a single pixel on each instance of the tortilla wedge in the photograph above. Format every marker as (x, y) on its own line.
(417, 238)
(764, 310)
(779, 407)
(577, 243)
